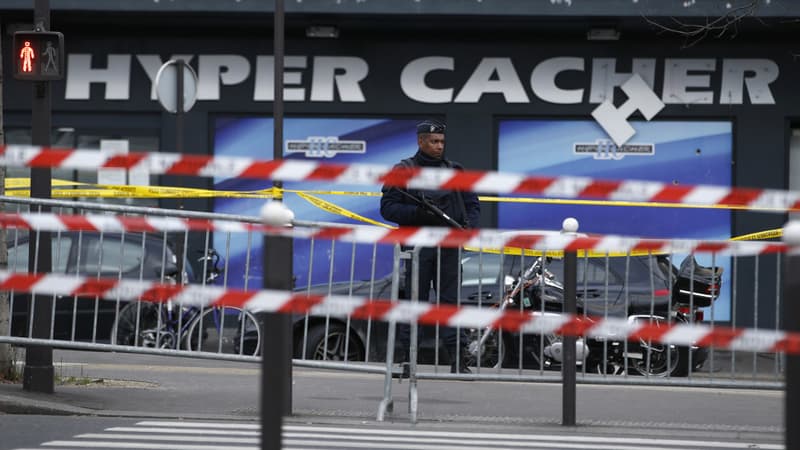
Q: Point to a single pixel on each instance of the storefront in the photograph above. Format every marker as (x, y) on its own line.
(523, 98)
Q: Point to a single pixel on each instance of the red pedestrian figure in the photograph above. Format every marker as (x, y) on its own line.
(27, 55)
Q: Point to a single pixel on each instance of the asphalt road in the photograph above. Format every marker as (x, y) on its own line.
(130, 388)
(27, 432)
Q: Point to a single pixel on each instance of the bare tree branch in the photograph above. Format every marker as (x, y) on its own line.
(727, 24)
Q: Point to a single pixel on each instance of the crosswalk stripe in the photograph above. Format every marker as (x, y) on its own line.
(187, 435)
(288, 444)
(210, 425)
(467, 436)
(486, 443)
(146, 445)
(201, 431)
(140, 437)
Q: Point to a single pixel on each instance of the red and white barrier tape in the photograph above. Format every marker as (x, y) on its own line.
(405, 177)
(410, 236)
(407, 312)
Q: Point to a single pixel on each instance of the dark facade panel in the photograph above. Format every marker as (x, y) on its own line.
(507, 8)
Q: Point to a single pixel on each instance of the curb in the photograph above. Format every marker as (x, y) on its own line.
(26, 405)
(10, 404)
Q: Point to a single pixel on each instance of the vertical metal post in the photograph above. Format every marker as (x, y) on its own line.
(387, 403)
(413, 343)
(568, 367)
(276, 359)
(276, 364)
(570, 226)
(38, 374)
(179, 113)
(790, 313)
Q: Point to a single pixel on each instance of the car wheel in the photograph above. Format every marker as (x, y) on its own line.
(333, 348)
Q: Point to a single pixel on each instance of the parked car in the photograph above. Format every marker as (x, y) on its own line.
(108, 255)
(600, 291)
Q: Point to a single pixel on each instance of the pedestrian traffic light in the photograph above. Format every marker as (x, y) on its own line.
(38, 55)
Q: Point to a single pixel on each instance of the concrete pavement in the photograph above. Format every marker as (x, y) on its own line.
(126, 385)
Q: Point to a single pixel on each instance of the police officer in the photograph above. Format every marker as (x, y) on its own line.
(407, 207)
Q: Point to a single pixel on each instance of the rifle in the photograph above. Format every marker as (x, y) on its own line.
(425, 203)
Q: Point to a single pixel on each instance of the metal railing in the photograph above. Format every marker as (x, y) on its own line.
(646, 287)
(223, 259)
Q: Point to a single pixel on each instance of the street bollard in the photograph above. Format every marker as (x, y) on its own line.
(790, 315)
(568, 368)
(276, 342)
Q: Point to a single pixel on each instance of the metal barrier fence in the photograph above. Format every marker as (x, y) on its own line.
(641, 287)
(222, 259)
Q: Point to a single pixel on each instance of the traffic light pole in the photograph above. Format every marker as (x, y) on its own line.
(38, 374)
(276, 344)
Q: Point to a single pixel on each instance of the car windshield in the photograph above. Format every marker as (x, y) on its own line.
(479, 268)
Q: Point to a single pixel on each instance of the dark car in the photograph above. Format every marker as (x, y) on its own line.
(108, 255)
(601, 290)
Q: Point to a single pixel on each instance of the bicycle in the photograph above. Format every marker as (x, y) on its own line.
(229, 329)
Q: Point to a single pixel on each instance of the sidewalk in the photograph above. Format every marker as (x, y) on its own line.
(149, 386)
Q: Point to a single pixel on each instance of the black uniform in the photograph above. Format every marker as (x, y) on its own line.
(464, 208)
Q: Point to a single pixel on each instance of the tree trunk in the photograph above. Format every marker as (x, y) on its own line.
(6, 352)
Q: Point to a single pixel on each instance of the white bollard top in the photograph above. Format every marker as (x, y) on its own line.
(276, 214)
(791, 233)
(569, 225)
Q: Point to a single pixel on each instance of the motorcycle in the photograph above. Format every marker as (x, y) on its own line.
(671, 295)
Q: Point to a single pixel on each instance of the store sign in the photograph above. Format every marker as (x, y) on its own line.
(604, 149)
(324, 146)
(682, 81)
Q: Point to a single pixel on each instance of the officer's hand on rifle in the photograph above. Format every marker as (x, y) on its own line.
(424, 216)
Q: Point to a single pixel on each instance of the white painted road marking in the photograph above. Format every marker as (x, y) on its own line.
(188, 435)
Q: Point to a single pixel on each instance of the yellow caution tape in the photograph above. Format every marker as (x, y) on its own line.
(350, 193)
(131, 191)
(18, 183)
(558, 253)
(107, 193)
(761, 235)
(16, 189)
(177, 192)
(335, 209)
(73, 193)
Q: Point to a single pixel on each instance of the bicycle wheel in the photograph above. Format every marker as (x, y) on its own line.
(228, 330)
(145, 333)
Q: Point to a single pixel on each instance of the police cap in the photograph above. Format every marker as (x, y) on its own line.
(430, 126)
